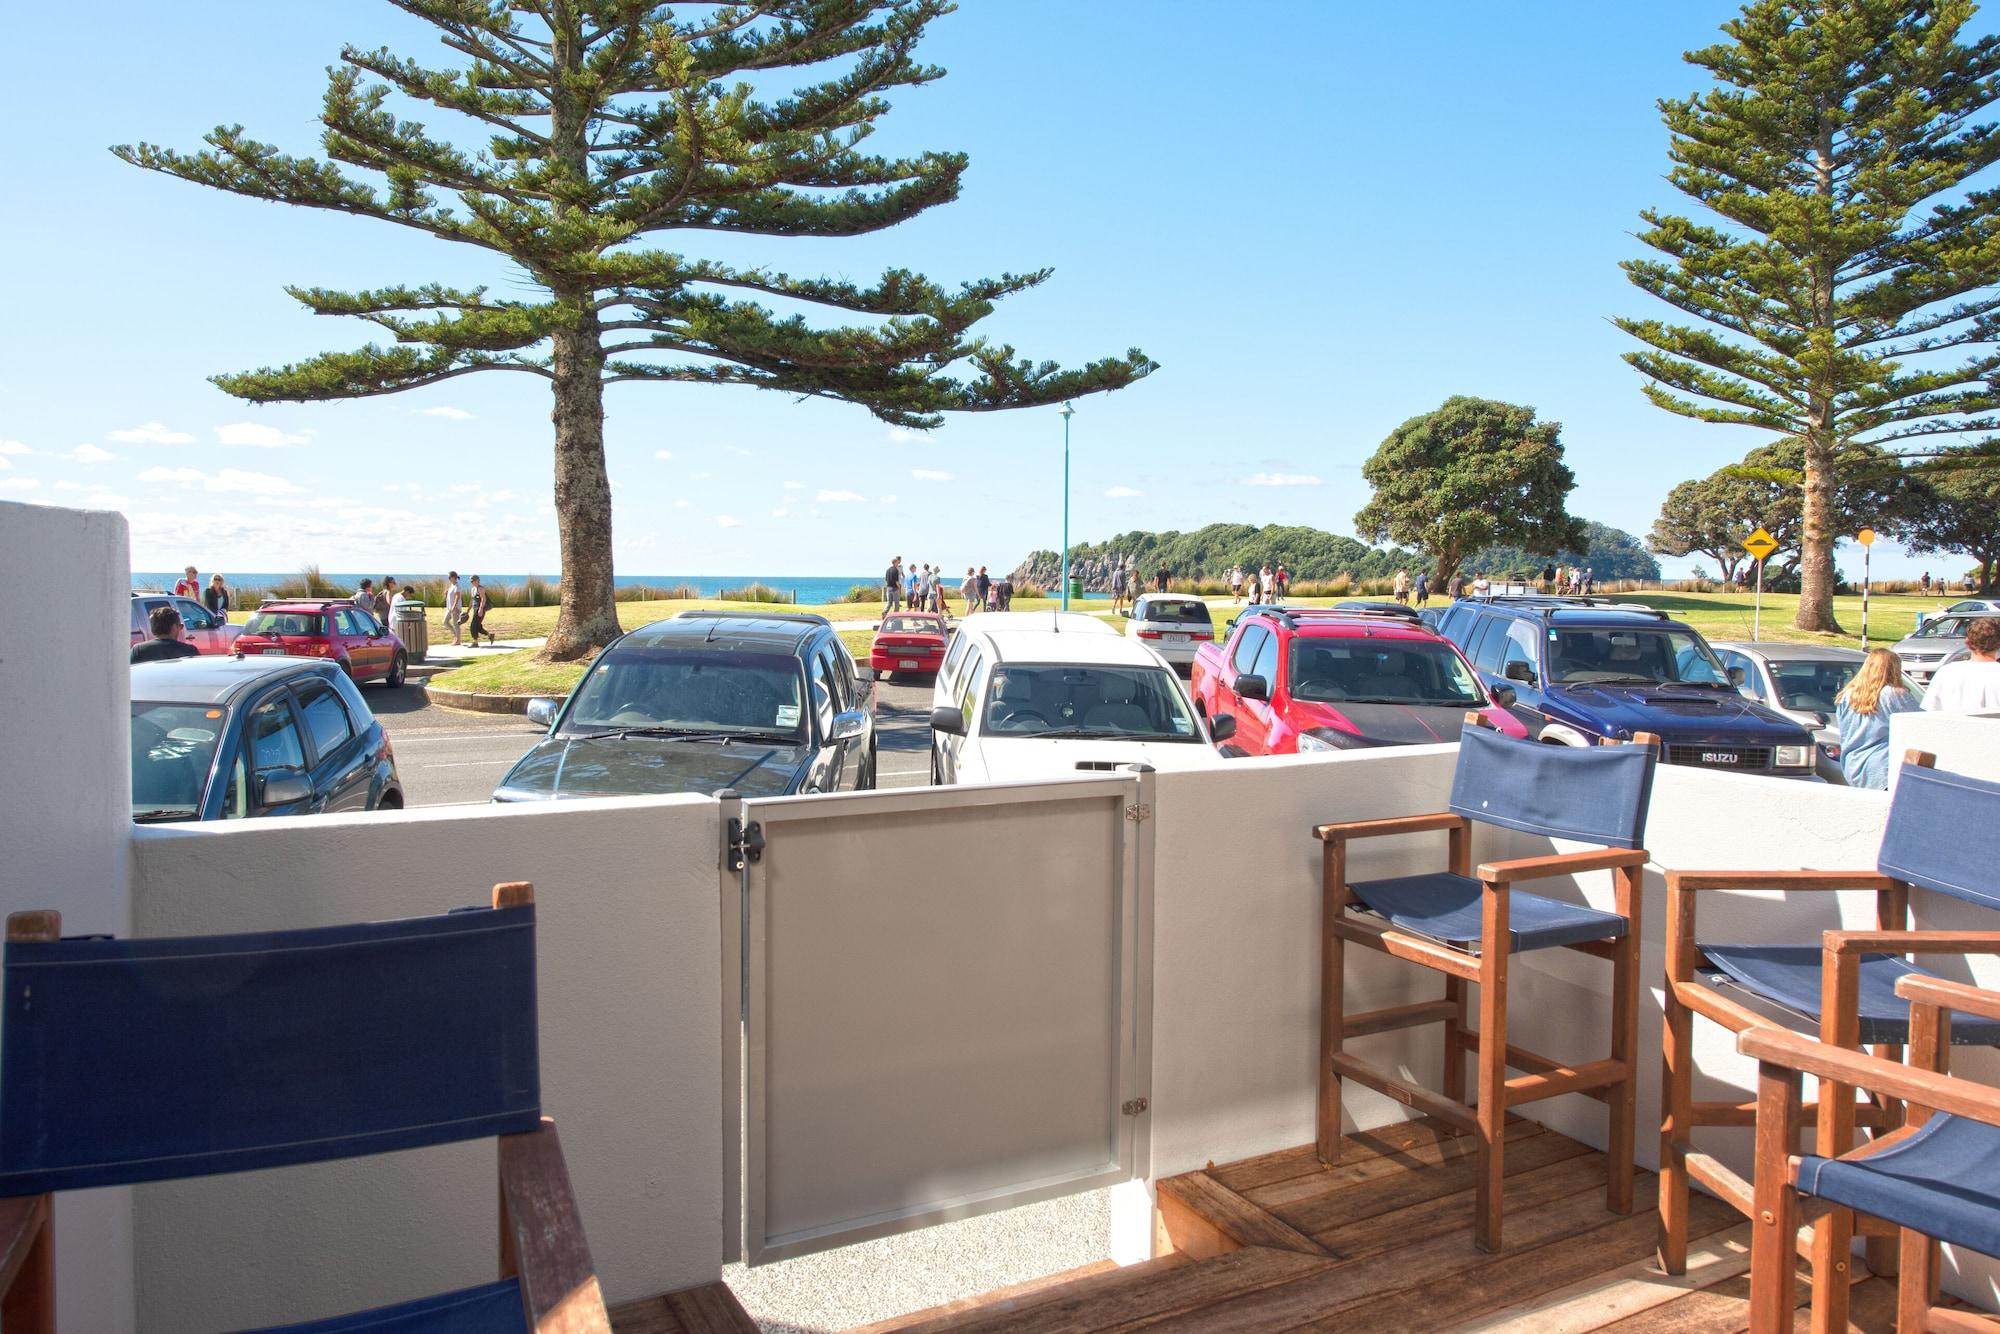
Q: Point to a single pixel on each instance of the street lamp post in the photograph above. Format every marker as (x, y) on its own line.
(1067, 412)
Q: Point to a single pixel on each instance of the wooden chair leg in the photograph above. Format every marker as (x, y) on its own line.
(1492, 1107)
(1916, 1289)
(1624, 1047)
(1676, 1128)
(29, 1304)
(1332, 999)
(1454, 1040)
(1774, 1229)
(1833, 1235)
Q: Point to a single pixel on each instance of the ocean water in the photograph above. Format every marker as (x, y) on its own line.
(809, 588)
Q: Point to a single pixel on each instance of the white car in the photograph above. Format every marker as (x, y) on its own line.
(1017, 701)
(1173, 625)
(1801, 681)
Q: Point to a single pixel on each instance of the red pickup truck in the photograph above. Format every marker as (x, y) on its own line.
(1302, 679)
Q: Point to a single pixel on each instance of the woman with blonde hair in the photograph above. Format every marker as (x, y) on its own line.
(1875, 694)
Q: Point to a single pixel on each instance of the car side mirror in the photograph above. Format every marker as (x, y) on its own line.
(876, 626)
(1519, 671)
(1504, 696)
(1736, 677)
(1126, 614)
(542, 712)
(285, 787)
(947, 720)
(1252, 687)
(1222, 727)
(847, 726)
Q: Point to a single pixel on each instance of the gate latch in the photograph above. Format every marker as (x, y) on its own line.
(746, 843)
(1138, 811)
(1133, 1106)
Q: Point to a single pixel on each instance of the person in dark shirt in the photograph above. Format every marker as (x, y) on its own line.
(166, 642)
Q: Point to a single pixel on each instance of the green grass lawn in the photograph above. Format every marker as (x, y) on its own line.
(513, 674)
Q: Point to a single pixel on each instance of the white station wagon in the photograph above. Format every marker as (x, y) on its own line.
(1030, 695)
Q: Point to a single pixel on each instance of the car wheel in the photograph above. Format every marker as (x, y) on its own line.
(347, 668)
(391, 801)
(399, 668)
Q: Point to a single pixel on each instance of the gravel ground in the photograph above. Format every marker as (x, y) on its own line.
(819, 1294)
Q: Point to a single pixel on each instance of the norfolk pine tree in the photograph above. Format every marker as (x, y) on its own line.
(608, 122)
(1832, 309)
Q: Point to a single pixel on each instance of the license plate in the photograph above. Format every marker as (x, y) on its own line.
(907, 664)
(1177, 639)
(1719, 757)
(274, 653)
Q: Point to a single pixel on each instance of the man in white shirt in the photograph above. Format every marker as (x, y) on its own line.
(1970, 685)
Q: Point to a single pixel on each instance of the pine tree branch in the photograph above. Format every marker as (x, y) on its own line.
(370, 372)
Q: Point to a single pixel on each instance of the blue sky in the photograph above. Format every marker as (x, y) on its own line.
(1321, 218)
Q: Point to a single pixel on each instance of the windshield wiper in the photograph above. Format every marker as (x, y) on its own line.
(1101, 734)
(156, 817)
(613, 733)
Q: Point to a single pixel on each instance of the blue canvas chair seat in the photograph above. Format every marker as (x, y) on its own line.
(1944, 1180)
(491, 1308)
(1448, 907)
(1789, 976)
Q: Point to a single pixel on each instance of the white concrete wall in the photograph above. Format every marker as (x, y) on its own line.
(628, 955)
(65, 803)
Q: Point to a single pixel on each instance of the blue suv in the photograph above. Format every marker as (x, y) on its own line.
(1583, 671)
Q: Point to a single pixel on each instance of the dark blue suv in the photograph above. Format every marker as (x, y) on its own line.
(1585, 670)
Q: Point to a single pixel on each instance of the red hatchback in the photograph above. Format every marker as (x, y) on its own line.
(342, 631)
(909, 642)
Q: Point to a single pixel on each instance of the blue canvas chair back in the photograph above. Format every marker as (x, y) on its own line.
(1944, 834)
(144, 1060)
(1594, 795)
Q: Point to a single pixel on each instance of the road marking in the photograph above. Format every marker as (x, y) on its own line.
(465, 764)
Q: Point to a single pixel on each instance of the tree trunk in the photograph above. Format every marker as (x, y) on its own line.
(1816, 576)
(588, 618)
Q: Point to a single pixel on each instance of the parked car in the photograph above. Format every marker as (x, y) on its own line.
(767, 703)
(1020, 700)
(1323, 678)
(338, 631)
(1964, 606)
(205, 630)
(1939, 640)
(908, 641)
(1584, 670)
(229, 738)
(1171, 624)
(1801, 681)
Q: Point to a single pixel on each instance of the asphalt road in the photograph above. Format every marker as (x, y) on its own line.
(450, 757)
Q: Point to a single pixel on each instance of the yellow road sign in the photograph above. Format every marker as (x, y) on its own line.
(1866, 537)
(1760, 544)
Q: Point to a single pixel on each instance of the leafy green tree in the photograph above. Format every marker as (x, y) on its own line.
(605, 123)
(1610, 553)
(1846, 291)
(1960, 509)
(1473, 474)
(1704, 516)
(1209, 551)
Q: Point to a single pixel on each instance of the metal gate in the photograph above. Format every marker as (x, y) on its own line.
(945, 1004)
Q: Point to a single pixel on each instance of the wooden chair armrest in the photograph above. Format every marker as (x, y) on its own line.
(1561, 863)
(1807, 880)
(1394, 824)
(542, 1237)
(21, 1220)
(1959, 996)
(1911, 942)
(1795, 1051)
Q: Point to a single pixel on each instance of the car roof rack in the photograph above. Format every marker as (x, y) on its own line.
(1550, 603)
(797, 617)
(1290, 616)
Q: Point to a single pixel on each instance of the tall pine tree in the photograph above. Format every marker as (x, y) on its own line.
(1842, 288)
(606, 123)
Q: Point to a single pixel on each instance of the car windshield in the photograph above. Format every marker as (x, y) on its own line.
(1812, 687)
(721, 692)
(1178, 613)
(1624, 656)
(1944, 627)
(172, 748)
(285, 623)
(1363, 671)
(911, 625)
(1121, 703)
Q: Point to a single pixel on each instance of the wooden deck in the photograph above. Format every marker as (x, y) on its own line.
(1383, 1242)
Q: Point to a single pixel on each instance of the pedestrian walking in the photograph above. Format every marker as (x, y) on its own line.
(380, 606)
(454, 607)
(1005, 589)
(216, 596)
(1423, 589)
(984, 585)
(892, 586)
(1549, 578)
(1481, 585)
(1970, 685)
(1236, 583)
(166, 642)
(1284, 582)
(1117, 586)
(1875, 694)
(1402, 587)
(969, 590)
(189, 584)
(1256, 590)
(364, 595)
(1454, 587)
(1589, 579)
(1266, 583)
(478, 602)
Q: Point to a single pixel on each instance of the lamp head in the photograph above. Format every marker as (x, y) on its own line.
(1067, 411)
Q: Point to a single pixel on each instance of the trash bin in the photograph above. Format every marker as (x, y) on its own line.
(413, 630)
(1075, 589)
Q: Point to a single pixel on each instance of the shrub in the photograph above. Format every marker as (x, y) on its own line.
(862, 593)
(656, 593)
(754, 593)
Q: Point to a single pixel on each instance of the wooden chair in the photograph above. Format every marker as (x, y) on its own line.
(1467, 926)
(1936, 1178)
(1844, 986)
(147, 1060)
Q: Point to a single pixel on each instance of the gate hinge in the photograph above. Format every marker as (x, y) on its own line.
(1138, 811)
(746, 843)
(1133, 1106)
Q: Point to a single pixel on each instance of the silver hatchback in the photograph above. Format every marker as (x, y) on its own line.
(1937, 641)
(1173, 625)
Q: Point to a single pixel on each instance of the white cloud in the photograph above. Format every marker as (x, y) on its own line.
(900, 434)
(703, 476)
(1123, 493)
(69, 486)
(888, 500)
(663, 455)
(16, 447)
(930, 475)
(1281, 479)
(152, 433)
(185, 476)
(838, 497)
(4, 464)
(780, 512)
(683, 504)
(789, 486)
(449, 414)
(724, 521)
(89, 453)
(105, 500)
(249, 483)
(18, 483)
(254, 433)
(741, 453)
